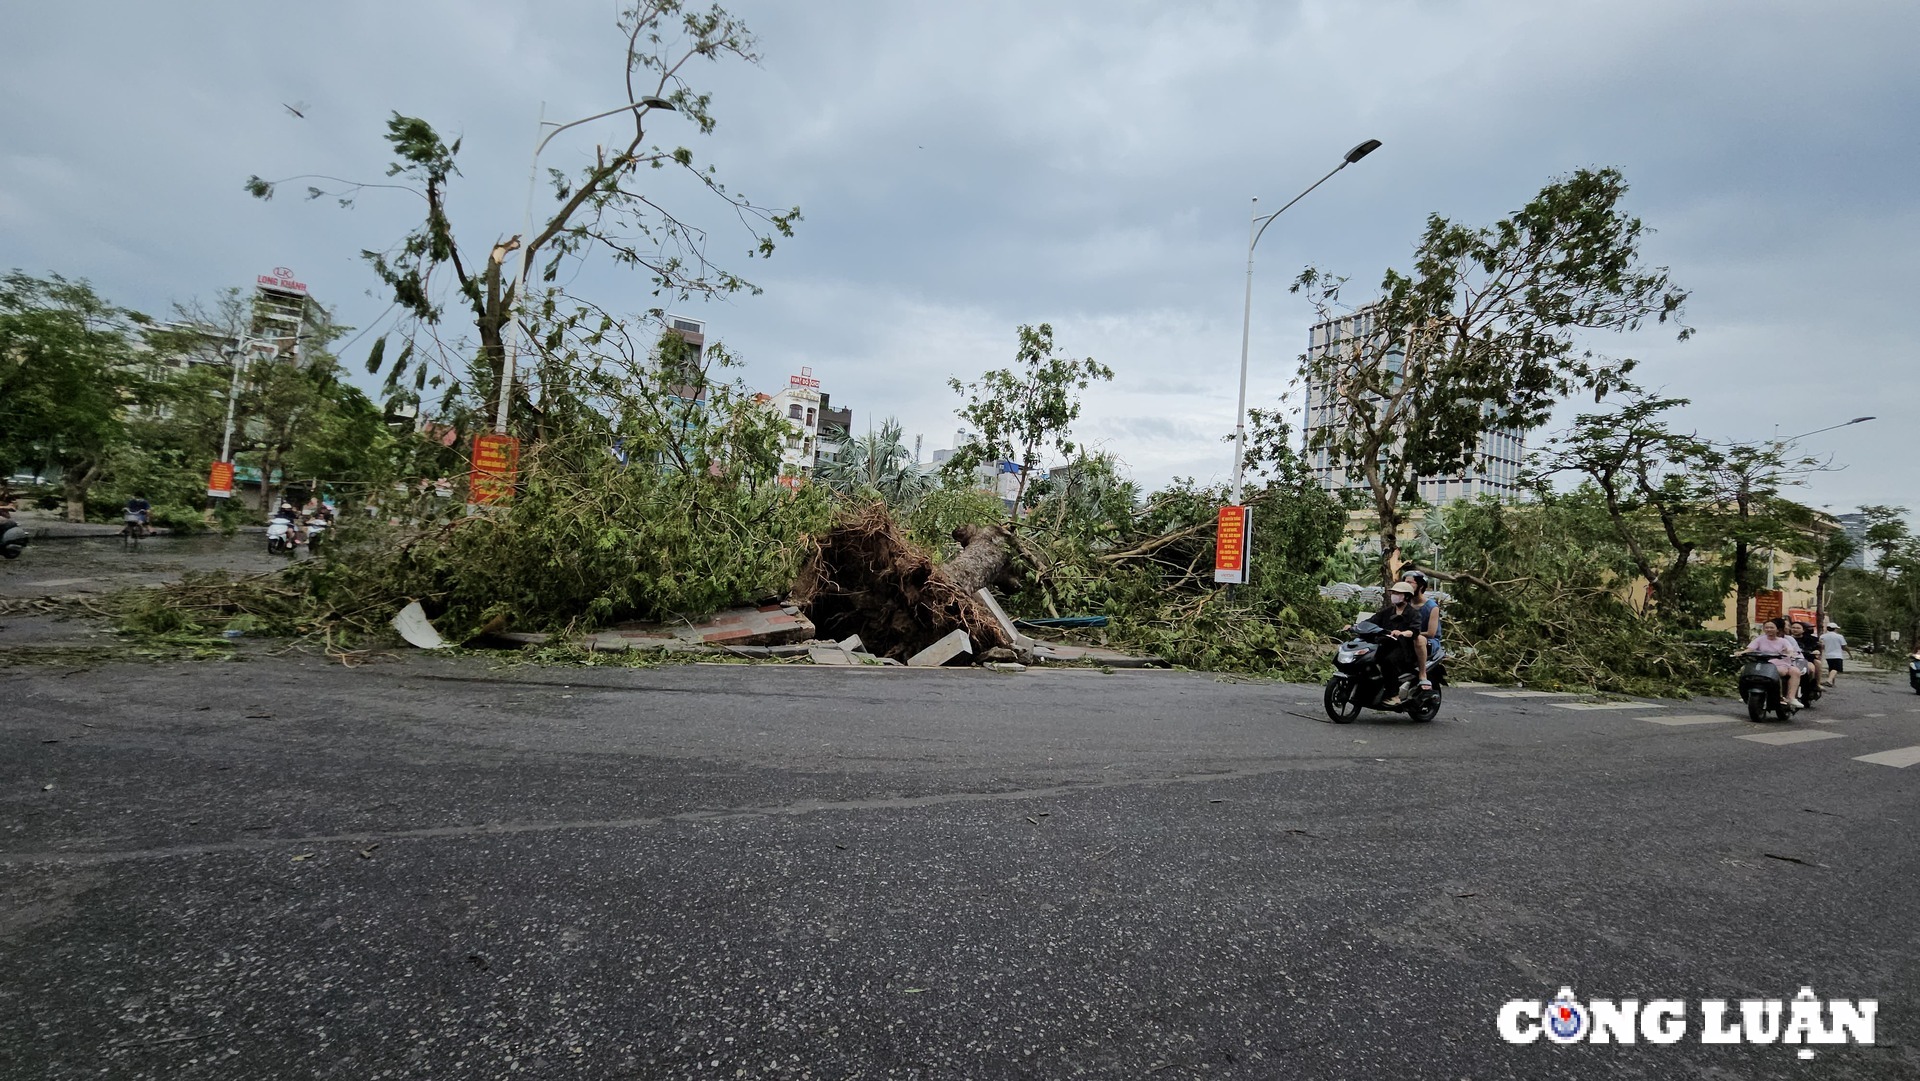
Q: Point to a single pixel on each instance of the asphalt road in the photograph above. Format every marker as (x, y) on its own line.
(436, 868)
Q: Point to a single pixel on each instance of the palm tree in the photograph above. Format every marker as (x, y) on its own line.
(876, 464)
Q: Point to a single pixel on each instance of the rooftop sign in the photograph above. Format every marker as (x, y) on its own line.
(282, 278)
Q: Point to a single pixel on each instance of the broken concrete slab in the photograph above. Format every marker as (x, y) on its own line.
(413, 626)
(830, 655)
(764, 625)
(853, 644)
(955, 644)
(1020, 641)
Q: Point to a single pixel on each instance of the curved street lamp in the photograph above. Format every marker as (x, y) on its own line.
(1255, 231)
(511, 342)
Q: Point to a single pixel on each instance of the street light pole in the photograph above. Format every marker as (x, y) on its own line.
(510, 336)
(1255, 230)
(240, 353)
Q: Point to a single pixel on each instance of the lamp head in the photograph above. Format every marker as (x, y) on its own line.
(652, 101)
(1362, 150)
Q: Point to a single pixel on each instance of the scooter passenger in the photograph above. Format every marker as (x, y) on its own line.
(1784, 652)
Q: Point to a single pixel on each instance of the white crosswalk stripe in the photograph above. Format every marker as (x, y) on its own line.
(1782, 739)
(1689, 718)
(1900, 758)
(1603, 705)
(1526, 694)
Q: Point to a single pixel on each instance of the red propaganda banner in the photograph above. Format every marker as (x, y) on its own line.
(1231, 545)
(496, 465)
(1804, 615)
(220, 481)
(1769, 604)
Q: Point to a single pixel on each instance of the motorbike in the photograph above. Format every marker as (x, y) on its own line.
(13, 539)
(279, 535)
(1764, 689)
(1359, 682)
(315, 529)
(1913, 671)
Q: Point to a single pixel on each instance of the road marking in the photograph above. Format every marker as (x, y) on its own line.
(1873, 715)
(1526, 694)
(1782, 739)
(1603, 705)
(1689, 718)
(1898, 759)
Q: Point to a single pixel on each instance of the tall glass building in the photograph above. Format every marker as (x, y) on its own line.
(1495, 469)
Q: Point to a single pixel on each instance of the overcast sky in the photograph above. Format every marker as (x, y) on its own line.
(964, 168)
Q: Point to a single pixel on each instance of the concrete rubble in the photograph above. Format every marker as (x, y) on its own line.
(780, 632)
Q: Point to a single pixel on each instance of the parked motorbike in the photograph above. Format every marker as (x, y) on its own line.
(1359, 682)
(1764, 689)
(279, 536)
(1913, 671)
(13, 539)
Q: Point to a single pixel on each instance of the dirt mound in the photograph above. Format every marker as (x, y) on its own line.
(867, 579)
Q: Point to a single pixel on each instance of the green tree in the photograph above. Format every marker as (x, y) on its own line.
(67, 375)
(605, 206)
(1481, 335)
(1022, 412)
(876, 465)
(1651, 480)
(1746, 481)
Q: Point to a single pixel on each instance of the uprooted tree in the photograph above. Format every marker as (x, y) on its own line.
(1479, 336)
(604, 206)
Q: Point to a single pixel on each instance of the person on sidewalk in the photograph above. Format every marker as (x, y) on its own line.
(1834, 653)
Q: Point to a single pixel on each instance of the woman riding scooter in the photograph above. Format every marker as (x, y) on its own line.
(1784, 652)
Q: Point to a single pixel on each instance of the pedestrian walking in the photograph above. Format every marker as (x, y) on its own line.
(1833, 649)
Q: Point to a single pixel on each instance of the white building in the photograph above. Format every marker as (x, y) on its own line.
(798, 403)
(1494, 470)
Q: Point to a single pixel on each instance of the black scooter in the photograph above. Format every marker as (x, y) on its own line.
(1913, 671)
(13, 539)
(1764, 689)
(1359, 682)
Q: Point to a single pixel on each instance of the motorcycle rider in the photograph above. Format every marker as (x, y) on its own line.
(138, 511)
(1784, 652)
(1810, 649)
(1427, 645)
(1402, 624)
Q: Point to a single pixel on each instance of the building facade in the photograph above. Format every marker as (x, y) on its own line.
(1497, 461)
(834, 423)
(798, 403)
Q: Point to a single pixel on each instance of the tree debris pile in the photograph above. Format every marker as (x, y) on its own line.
(865, 578)
(1538, 599)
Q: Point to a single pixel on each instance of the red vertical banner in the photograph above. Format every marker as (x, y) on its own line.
(220, 481)
(1232, 545)
(1769, 604)
(496, 466)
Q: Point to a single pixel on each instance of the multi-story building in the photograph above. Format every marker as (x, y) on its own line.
(286, 316)
(1855, 526)
(1497, 461)
(833, 424)
(798, 403)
